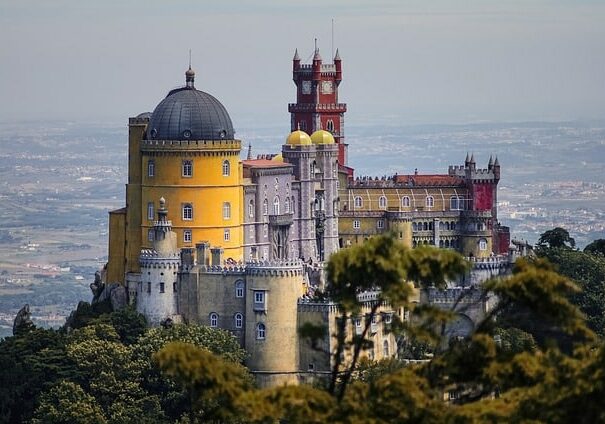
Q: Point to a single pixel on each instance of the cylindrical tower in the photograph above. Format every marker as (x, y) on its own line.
(273, 289)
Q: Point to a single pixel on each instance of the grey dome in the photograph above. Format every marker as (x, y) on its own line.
(190, 114)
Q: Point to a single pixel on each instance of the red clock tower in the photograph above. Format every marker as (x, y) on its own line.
(317, 106)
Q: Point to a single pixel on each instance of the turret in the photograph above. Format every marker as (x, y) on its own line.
(472, 163)
(317, 65)
(490, 164)
(338, 65)
(295, 62)
(467, 161)
(497, 169)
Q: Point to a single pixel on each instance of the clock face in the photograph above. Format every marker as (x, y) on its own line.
(326, 87)
(306, 87)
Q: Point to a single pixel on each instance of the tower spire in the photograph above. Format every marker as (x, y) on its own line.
(249, 157)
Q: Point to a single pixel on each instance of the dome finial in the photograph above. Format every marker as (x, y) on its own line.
(189, 74)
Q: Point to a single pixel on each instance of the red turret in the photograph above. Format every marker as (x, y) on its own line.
(317, 104)
(338, 66)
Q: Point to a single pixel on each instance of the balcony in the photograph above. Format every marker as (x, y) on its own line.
(281, 220)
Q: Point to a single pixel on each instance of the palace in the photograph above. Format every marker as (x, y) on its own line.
(208, 238)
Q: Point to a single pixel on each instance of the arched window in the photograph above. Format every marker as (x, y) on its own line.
(187, 168)
(151, 168)
(293, 204)
(251, 209)
(213, 319)
(430, 201)
(330, 125)
(187, 212)
(260, 331)
(312, 168)
(265, 207)
(276, 205)
(358, 202)
(226, 168)
(239, 320)
(239, 288)
(385, 349)
(482, 244)
(405, 201)
(226, 210)
(287, 205)
(425, 226)
(382, 202)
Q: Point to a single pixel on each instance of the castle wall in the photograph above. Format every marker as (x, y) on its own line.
(117, 246)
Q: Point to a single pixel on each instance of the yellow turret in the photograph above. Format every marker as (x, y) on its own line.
(298, 138)
(322, 137)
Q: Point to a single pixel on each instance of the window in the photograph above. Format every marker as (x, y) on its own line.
(405, 202)
(174, 287)
(149, 287)
(302, 125)
(150, 235)
(330, 125)
(226, 210)
(482, 244)
(239, 320)
(382, 202)
(187, 236)
(162, 288)
(276, 206)
(151, 168)
(429, 201)
(388, 318)
(226, 168)
(358, 202)
(251, 209)
(213, 319)
(311, 367)
(265, 207)
(187, 212)
(239, 288)
(150, 211)
(260, 331)
(287, 205)
(260, 300)
(227, 234)
(293, 209)
(335, 170)
(380, 224)
(456, 203)
(187, 168)
(356, 224)
(312, 168)
(385, 348)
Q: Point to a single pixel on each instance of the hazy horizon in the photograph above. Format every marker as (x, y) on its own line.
(404, 62)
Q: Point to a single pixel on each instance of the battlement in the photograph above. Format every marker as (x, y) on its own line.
(222, 269)
(476, 214)
(275, 268)
(188, 145)
(309, 304)
(492, 262)
(138, 120)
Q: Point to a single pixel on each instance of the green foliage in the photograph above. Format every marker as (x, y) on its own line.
(556, 238)
(513, 340)
(67, 403)
(213, 385)
(129, 324)
(597, 247)
(588, 272)
(369, 371)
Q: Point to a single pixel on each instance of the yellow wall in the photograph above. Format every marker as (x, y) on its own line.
(206, 190)
(117, 246)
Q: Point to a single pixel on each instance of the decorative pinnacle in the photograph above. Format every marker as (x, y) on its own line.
(162, 203)
(491, 161)
(467, 160)
(473, 158)
(296, 56)
(496, 163)
(249, 157)
(336, 56)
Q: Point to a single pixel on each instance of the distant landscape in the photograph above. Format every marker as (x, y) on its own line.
(58, 180)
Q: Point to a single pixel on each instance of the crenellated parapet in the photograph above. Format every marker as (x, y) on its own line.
(222, 269)
(275, 268)
(455, 295)
(490, 263)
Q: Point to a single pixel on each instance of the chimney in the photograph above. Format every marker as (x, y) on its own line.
(202, 253)
(217, 255)
(186, 257)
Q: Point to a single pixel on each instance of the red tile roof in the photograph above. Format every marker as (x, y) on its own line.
(429, 180)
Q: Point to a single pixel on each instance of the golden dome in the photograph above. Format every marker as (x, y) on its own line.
(322, 137)
(298, 138)
(278, 158)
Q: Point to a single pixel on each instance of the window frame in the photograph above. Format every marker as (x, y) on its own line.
(238, 320)
(226, 234)
(187, 168)
(150, 211)
(213, 320)
(184, 208)
(382, 202)
(187, 235)
(261, 331)
(405, 202)
(151, 168)
(226, 210)
(226, 168)
(240, 288)
(357, 202)
(429, 201)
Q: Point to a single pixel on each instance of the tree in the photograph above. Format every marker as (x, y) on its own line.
(596, 247)
(67, 403)
(556, 238)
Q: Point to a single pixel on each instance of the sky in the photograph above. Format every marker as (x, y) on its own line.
(405, 62)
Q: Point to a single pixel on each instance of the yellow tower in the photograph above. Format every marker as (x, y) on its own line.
(187, 154)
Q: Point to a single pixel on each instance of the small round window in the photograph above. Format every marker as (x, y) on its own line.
(187, 133)
(223, 134)
(154, 132)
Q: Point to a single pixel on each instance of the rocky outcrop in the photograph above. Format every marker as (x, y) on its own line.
(23, 320)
